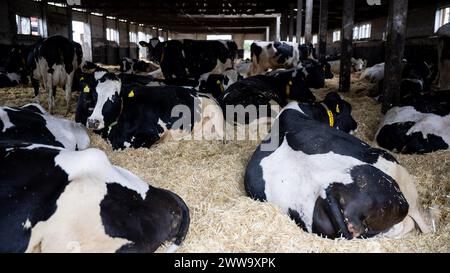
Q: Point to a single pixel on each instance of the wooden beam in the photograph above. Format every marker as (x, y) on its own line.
(299, 20)
(348, 14)
(323, 29)
(308, 21)
(395, 48)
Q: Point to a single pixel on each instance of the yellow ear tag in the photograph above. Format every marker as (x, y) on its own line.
(131, 94)
(290, 83)
(221, 86)
(86, 89)
(330, 118)
(337, 109)
(82, 79)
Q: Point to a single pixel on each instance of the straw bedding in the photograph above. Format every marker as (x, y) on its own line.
(208, 175)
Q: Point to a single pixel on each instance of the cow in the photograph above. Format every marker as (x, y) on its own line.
(132, 115)
(357, 65)
(421, 125)
(191, 58)
(416, 79)
(444, 56)
(10, 79)
(273, 55)
(53, 62)
(373, 74)
(330, 182)
(217, 84)
(133, 66)
(32, 124)
(57, 200)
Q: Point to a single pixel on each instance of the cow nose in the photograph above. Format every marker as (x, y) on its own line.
(93, 123)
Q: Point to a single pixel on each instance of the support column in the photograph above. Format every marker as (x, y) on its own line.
(308, 21)
(348, 15)
(323, 29)
(395, 48)
(267, 34)
(105, 41)
(277, 28)
(299, 20)
(284, 26)
(291, 22)
(128, 40)
(69, 23)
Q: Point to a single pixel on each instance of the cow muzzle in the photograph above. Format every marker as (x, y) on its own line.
(93, 124)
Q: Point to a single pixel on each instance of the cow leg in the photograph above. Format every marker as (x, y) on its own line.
(337, 216)
(49, 88)
(68, 90)
(35, 84)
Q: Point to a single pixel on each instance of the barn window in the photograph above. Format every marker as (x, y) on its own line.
(29, 25)
(247, 51)
(442, 17)
(362, 31)
(315, 39)
(112, 35)
(336, 36)
(219, 37)
(133, 37)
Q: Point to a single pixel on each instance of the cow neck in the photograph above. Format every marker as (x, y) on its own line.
(120, 113)
(329, 113)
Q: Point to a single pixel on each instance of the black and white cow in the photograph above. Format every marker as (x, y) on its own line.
(191, 58)
(331, 183)
(444, 56)
(421, 126)
(53, 62)
(357, 65)
(15, 70)
(140, 116)
(133, 66)
(273, 55)
(56, 200)
(31, 124)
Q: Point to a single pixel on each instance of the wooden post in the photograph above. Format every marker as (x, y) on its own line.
(395, 48)
(346, 44)
(12, 22)
(299, 20)
(69, 23)
(44, 18)
(291, 22)
(308, 21)
(323, 29)
(284, 25)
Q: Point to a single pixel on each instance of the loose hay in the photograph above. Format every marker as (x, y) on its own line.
(208, 175)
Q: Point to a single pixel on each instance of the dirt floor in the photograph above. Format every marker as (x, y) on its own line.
(208, 175)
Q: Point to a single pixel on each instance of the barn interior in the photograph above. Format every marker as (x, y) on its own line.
(209, 175)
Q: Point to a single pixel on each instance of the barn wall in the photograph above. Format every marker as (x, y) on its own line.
(57, 21)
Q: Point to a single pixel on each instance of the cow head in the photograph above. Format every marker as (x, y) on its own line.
(216, 84)
(155, 49)
(316, 73)
(339, 113)
(293, 85)
(126, 65)
(100, 104)
(358, 64)
(307, 51)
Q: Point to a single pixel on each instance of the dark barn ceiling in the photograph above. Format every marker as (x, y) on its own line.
(226, 16)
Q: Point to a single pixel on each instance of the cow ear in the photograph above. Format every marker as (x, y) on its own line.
(144, 44)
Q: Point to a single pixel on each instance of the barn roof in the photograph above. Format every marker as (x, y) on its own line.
(219, 16)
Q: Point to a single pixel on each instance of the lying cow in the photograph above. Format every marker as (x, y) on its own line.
(55, 200)
(444, 56)
(53, 62)
(140, 116)
(331, 183)
(133, 66)
(191, 58)
(10, 79)
(32, 124)
(422, 127)
(357, 65)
